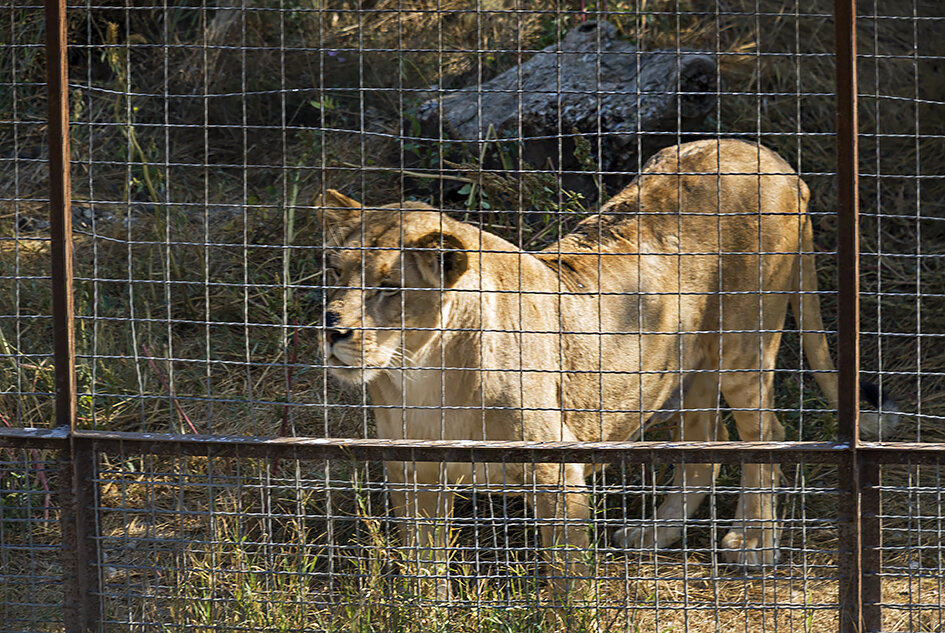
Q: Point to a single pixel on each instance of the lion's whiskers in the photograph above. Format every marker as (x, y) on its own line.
(399, 360)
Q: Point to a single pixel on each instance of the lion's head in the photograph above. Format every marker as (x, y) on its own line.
(388, 270)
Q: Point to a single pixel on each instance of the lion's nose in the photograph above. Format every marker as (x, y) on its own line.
(334, 336)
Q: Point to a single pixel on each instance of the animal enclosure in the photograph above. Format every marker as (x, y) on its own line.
(452, 316)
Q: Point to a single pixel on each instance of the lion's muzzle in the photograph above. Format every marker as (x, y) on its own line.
(334, 336)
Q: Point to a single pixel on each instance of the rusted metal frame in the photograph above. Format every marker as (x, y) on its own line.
(906, 453)
(81, 593)
(80, 572)
(858, 569)
(848, 248)
(870, 453)
(462, 450)
(850, 545)
(73, 598)
(60, 212)
(47, 439)
(870, 535)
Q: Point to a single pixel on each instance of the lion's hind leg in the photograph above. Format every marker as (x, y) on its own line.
(753, 539)
(698, 422)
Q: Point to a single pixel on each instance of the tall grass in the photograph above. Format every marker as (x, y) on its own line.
(198, 260)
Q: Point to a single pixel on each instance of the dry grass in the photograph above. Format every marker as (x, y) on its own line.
(222, 543)
(215, 297)
(268, 557)
(187, 186)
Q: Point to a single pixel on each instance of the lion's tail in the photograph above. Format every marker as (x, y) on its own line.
(806, 305)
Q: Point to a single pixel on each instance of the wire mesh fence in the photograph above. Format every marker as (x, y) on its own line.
(25, 336)
(901, 118)
(31, 579)
(911, 548)
(573, 273)
(220, 544)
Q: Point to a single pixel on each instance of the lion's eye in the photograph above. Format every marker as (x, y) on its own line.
(389, 289)
(332, 276)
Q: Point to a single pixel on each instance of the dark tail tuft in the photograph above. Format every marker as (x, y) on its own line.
(881, 424)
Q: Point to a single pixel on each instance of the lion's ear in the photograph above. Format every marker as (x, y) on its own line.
(441, 258)
(339, 212)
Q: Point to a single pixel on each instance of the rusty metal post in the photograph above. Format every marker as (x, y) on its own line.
(81, 594)
(81, 587)
(60, 211)
(850, 543)
(849, 547)
(870, 540)
(858, 535)
(848, 246)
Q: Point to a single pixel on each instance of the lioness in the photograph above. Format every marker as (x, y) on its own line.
(674, 293)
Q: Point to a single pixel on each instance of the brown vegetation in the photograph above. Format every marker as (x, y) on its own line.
(201, 136)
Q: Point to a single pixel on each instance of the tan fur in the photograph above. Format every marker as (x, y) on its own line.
(588, 338)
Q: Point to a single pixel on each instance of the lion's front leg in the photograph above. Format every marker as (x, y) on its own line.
(561, 506)
(423, 505)
(667, 526)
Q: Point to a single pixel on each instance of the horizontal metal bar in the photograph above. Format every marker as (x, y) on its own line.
(473, 450)
(906, 453)
(465, 450)
(16, 437)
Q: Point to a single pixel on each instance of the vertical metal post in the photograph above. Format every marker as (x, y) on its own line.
(870, 557)
(849, 546)
(81, 590)
(81, 594)
(859, 580)
(60, 211)
(850, 537)
(848, 246)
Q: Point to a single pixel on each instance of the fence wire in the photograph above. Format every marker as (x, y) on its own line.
(31, 580)
(204, 136)
(911, 547)
(25, 333)
(902, 117)
(297, 221)
(219, 543)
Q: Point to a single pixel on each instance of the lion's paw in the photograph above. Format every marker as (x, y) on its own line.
(753, 548)
(646, 538)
